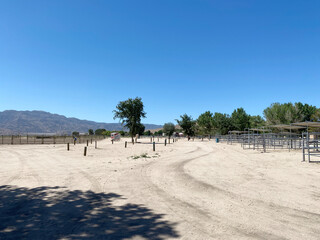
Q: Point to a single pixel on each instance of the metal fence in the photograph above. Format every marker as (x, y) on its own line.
(19, 139)
(272, 141)
(311, 146)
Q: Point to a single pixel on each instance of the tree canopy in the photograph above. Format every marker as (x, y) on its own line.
(240, 119)
(187, 124)
(130, 113)
(99, 131)
(169, 128)
(287, 113)
(90, 131)
(205, 122)
(222, 123)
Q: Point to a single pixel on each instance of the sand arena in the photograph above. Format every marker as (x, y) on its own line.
(185, 190)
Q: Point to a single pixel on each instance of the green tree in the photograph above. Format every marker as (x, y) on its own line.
(140, 129)
(130, 113)
(99, 131)
(205, 122)
(147, 133)
(316, 116)
(158, 133)
(90, 131)
(122, 133)
(287, 113)
(222, 123)
(240, 119)
(106, 133)
(187, 124)
(169, 128)
(75, 134)
(256, 121)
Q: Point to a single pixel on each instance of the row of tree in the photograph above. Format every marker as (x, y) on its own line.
(131, 111)
(219, 123)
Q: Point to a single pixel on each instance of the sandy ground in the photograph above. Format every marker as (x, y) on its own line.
(186, 190)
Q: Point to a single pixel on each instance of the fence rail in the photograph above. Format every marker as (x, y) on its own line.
(19, 139)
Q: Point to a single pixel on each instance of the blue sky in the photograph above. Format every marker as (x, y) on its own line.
(80, 58)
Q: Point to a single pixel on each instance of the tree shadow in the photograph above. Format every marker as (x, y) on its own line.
(57, 213)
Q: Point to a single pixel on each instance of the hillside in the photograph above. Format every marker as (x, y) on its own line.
(22, 122)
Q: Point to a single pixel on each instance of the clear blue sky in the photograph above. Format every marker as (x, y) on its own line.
(80, 58)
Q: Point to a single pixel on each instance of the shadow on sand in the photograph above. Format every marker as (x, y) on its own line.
(57, 213)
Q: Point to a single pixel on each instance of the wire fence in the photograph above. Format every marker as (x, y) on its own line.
(20, 139)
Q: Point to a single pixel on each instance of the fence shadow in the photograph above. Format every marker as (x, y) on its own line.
(57, 213)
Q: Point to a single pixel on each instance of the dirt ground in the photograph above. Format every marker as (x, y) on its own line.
(185, 190)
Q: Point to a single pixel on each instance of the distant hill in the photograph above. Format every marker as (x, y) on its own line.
(22, 122)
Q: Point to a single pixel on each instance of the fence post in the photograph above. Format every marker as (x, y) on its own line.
(68, 147)
(165, 142)
(154, 146)
(85, 151)
(125, 144)
(87, 143)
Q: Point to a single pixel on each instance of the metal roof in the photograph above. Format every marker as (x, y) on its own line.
(287, 126)
(308, 124)
(259, 129)
(234, 131)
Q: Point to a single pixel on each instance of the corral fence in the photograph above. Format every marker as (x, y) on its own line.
(272, 141)
(31, 139)
(311, 146)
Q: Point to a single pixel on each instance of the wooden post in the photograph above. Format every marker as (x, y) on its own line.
(95, 144)
(125, 144)
(11, 139)
(91, 140)
(169, 139)
(154, 146)
(85, 151)
(87, 143)
(68, 146)
(150, 139)
(165, 142)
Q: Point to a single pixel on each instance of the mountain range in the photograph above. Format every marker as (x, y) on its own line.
(41, 122)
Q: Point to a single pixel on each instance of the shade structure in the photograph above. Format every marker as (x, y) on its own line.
(287, 126)
(308, 124)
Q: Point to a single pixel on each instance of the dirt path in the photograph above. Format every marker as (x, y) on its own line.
(188, 190)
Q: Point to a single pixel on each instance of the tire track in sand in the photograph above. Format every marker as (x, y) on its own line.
(237, 205)
(185, 211)
(95, 185)
(25, 170)
(19, 171)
